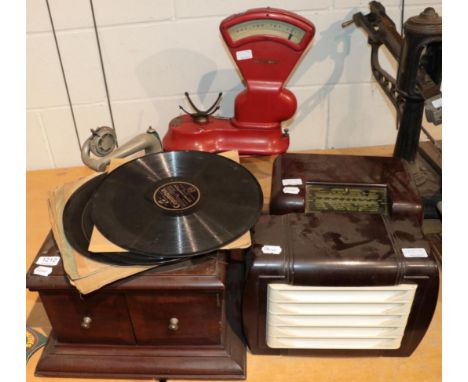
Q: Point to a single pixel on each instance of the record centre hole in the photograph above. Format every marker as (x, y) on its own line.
(176, 196)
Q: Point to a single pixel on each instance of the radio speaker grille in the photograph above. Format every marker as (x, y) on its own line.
(304, 317)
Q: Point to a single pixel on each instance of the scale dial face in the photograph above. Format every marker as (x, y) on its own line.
(266, 27)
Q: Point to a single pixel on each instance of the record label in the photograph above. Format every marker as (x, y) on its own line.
(176, 196)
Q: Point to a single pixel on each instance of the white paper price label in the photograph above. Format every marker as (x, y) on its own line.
(291, 190)
(437, 103)
(414, 252)
(42, 271)
(292, 182)
(244, 55)
(48, 260)
(271, 249)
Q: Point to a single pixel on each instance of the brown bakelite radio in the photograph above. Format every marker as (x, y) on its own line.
(343, 267)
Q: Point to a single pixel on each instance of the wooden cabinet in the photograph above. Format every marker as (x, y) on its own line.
(174, 318)
(176, 324)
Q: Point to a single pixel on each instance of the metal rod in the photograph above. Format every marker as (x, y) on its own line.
(103, 71)
(402, 20)
(63, 74)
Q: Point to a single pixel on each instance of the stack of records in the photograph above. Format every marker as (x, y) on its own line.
(162, 209)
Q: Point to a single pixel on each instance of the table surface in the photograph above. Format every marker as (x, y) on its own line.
(424, 365)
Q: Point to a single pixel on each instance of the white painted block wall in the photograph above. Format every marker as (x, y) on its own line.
(154, 50)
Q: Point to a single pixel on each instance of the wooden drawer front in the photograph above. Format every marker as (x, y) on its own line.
(176, 318)
(100, 318)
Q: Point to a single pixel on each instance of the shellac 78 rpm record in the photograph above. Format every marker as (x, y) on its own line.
(176, 203)
(77, 225)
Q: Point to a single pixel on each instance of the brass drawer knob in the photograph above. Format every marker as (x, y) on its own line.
(86, 322)
(173, 324)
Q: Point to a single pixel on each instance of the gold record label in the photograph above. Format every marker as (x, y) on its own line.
(176, 196)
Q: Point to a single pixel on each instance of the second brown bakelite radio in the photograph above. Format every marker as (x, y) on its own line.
(342, 268)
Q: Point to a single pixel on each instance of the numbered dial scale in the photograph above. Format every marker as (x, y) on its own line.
(276, 28)
(266, 44)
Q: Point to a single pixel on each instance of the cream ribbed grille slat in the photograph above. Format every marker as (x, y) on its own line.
(328, 295)
(337, 332)
(338, 308)
(334, 343)
(337, 317)
(333, 321)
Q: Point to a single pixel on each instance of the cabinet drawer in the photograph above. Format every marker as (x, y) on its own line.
(176, 318)
(101, 318)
